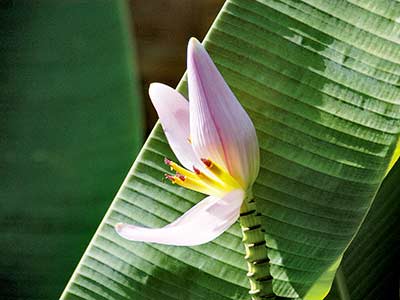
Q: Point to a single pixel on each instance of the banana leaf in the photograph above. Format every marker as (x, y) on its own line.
(70, 116)
(320, 81)
(369, 269)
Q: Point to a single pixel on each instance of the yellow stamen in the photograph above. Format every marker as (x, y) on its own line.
(174, 166)
(205, 183)
(219, 184)
(220, 173)
(193, 184)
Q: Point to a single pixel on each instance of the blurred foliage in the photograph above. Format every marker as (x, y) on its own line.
(71, 124)
(370, 266)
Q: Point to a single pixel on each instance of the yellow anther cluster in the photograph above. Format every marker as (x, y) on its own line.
(217, 183)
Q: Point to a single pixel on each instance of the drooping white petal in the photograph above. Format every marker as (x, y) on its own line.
(220, 128)
(173, 110)
(199, 225)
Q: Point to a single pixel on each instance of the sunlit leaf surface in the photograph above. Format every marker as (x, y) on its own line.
(320, 81)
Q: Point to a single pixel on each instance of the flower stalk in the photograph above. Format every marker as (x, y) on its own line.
(255, 251)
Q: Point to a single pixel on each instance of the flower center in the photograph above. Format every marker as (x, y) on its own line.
(216, 182)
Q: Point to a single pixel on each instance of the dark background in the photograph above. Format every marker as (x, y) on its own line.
(162, 30)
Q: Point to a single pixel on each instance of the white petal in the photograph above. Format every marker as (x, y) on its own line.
(220, 128)
(199, 225)
(173, 110)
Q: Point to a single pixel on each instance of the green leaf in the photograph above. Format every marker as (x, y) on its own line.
(369, 265)
(320, 81)
(70, 126)
(395, 156)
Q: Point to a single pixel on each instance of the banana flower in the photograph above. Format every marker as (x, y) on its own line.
(216, 144)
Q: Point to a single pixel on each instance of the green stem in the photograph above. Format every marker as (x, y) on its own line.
(256, 251)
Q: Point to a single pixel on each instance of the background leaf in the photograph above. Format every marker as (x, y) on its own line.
(70, 125)
(320, 81)
(371, 264)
